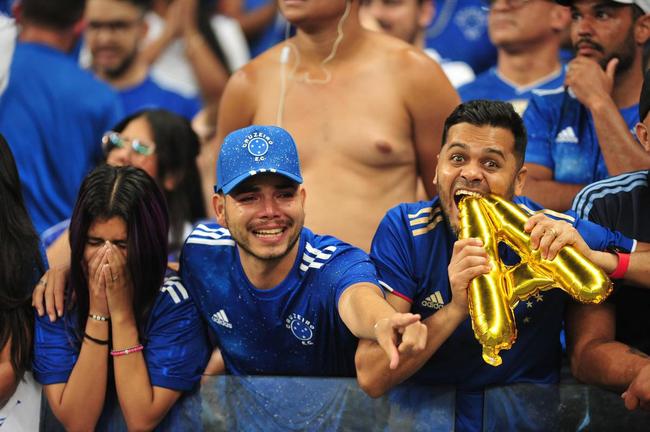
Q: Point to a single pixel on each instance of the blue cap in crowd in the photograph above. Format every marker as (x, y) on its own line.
(255, 150)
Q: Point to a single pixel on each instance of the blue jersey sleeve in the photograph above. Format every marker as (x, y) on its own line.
(391, 253)
(176, 348)
(351, 267)
(55, 349)
(539, 126)
(596, 236)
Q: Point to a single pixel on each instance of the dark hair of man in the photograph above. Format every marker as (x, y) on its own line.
(644, 98)
(54, 14)
(20, 265)
(143, 5)
(177, 147)
(490, 113)
(130, 194)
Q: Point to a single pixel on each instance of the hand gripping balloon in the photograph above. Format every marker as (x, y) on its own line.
(493, 296)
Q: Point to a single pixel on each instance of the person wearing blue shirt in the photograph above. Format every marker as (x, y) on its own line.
(581, 133)
(115, 30)
(52, 113)
(425, 270)
(280, 299)
(459, 32)
(527, 36)
(131, 347)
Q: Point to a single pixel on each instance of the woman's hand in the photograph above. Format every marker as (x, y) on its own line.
(119, 288)
(97, 302)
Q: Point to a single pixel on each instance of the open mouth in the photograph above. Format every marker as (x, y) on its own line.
(462, 193)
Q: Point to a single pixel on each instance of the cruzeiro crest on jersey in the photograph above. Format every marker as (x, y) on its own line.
(258, 144)
(301, 328)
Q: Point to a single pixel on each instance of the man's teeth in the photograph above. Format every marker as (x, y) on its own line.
(269, 232)
(463, 192)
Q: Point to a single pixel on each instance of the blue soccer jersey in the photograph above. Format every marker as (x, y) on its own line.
(412, 249)
(148, 94)
(492, 86)
(176, 351)
(291, 329)
(562, 137)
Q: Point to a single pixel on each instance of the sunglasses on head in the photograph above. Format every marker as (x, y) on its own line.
(112, 140)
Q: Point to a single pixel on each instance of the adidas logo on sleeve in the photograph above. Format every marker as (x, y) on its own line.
(434, 301)
(567, 135)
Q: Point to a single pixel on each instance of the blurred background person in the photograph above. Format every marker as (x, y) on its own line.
(192, 49)
(582, 132)
(458, 32)
(114, 37)
(408, 20)
(164, 145)
(53, 113)
(527, 35)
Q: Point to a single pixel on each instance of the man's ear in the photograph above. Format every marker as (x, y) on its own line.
(520, 180)
(219, 206)
(435, 177)
(560, 18)
(427, 12)
(642, 135)
(642, 29)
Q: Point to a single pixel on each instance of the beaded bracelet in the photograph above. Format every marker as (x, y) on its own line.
(133, 349)
(97, 341)
(99, 317)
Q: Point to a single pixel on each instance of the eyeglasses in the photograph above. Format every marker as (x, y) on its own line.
(112, 26)
(512, 4)
(112, 140)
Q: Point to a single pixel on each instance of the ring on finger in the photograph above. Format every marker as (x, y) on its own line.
(42, 282)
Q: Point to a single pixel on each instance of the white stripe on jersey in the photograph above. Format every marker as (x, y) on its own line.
(385, 285)
(199, 240)
(174, 287)
(311, 261)
(583, 202)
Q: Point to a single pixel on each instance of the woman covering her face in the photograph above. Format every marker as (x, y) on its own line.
(131, 341)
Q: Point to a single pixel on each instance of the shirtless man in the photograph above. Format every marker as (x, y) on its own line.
(367, 110)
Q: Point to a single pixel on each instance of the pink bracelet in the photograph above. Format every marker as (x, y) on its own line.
(133, 349)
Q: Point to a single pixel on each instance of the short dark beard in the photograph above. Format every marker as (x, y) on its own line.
(625, 55)
(122, 68)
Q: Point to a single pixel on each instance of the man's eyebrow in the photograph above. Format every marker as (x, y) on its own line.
(459, 144)
(493, 150)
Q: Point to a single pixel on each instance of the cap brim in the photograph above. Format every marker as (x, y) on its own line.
(232, 184)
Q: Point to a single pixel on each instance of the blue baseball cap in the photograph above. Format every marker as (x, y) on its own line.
(255, 150)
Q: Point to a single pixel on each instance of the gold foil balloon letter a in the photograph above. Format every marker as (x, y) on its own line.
(493, 296)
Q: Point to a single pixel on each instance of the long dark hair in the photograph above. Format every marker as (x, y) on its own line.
(130, 194)
(177, 147)
(21, 265)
